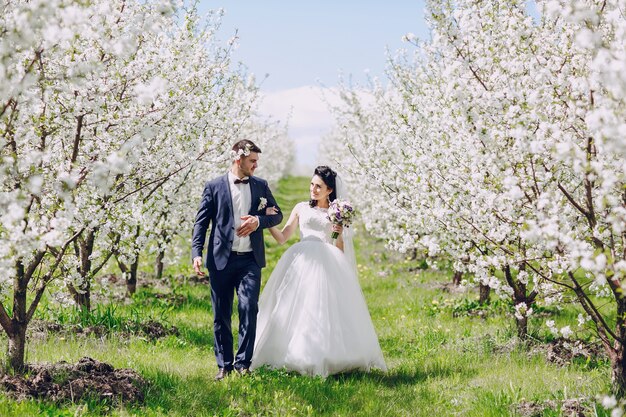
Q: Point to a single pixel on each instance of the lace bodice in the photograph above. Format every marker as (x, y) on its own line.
(313, 223)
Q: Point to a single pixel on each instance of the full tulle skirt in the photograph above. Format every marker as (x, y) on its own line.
(312, 315)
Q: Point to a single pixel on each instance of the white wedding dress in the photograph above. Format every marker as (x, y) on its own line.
(312, 314)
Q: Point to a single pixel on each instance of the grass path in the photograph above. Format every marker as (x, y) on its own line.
(440, 365)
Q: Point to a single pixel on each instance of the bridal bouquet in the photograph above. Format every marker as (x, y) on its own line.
(340, 212)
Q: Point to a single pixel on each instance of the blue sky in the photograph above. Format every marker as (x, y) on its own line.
(298, 43)
(303, 47)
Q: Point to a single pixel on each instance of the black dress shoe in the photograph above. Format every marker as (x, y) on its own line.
(221, 374)
(243, 371)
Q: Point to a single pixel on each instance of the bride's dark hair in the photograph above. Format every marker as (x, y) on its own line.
(329, 177)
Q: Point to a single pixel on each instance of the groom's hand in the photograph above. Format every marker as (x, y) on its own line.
(249, 225)
(197, 265)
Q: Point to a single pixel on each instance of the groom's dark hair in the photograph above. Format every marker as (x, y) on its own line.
(329, 177)
(246, 144)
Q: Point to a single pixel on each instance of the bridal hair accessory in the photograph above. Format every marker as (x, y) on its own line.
(241, 152)
(340, 212)
(262, 204)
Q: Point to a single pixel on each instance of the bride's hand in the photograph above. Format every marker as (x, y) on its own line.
(270, 211)
(338, 228)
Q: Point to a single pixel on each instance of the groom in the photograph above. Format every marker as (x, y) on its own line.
(235, 205)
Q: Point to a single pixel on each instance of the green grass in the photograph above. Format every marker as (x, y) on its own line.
(439, 364)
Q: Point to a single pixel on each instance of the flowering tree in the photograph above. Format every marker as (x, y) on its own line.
(583, 214)
(184, 89)
(101, 105)
(498, 141)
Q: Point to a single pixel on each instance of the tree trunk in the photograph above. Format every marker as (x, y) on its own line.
(456, 278)
(483, 291)
(159, 264)
(131, 286)
(131, 279)
(520, 296)
(84, 250)
(130, 273)
(83, 300)
(17, 334)
(17, 329)
(522, 327)
(617, 356)
(17, 346)
(618, 374)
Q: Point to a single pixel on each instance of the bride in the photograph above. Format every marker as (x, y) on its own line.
(312, 315)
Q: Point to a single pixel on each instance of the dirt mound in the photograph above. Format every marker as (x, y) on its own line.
(156, 330)
(88, 378)
(564, 351)
(574, 407)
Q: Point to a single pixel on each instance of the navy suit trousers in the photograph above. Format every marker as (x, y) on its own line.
(241, 275)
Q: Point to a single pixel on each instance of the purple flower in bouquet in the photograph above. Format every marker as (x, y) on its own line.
(340, 212)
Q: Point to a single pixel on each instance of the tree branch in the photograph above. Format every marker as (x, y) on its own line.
(77, 138)
(587, 304)
(46, 279)
(571, 200)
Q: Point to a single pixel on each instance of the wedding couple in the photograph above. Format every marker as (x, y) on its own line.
(312, 317)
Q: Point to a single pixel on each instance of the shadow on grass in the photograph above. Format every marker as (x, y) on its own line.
(392, 378)
(267, 388)
(400, 377)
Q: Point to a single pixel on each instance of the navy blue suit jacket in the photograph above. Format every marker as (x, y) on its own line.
(216, 208)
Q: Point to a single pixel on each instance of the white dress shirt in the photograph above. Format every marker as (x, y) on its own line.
(240, 194)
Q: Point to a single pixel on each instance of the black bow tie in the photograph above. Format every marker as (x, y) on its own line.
(244, 181)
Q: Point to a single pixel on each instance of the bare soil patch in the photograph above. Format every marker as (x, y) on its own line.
(574, 407)
(563, 351)
(88, 378)
(156, 330)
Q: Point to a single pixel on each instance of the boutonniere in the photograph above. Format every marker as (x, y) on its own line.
(262, 204)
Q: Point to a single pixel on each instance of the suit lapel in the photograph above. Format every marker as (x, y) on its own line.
(229, 197)
(253, 195)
